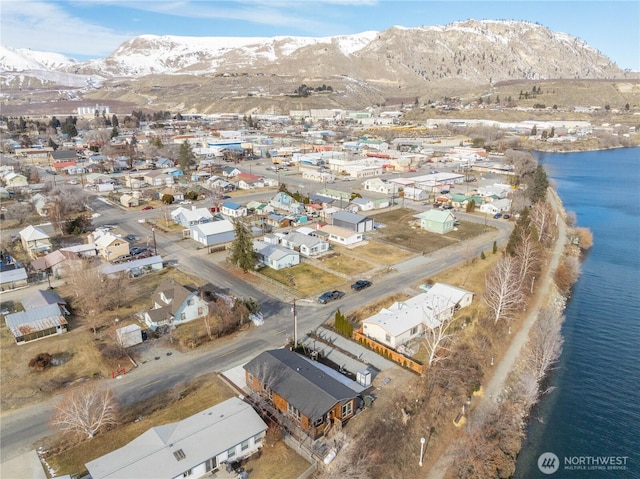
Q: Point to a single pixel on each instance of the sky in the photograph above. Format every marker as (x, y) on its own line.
(85, 29)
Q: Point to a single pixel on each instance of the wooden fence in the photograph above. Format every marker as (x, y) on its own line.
(389, 353)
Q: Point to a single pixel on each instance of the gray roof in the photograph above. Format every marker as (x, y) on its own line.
(42, 298)
(300, 382)
(272, 251)
(36, 319)
(347, 216)
(200, 437)
(138, 263)
(10, 276)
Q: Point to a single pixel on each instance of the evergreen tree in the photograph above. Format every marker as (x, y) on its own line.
(242, 252)
(540, 184)
(482, 255)
(114, 120)
(186, 158)
(114, 132)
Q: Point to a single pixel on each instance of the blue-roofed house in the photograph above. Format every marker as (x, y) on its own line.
(285, 202)
(233, 209)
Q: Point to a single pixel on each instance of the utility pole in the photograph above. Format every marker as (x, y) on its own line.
(155, 247)
(295, 325)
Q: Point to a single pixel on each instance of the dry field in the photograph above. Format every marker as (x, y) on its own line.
(305, 278)
(343, 262)
(77, 350)
(277, 460)
(404, 230)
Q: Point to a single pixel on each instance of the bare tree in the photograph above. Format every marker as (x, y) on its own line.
(65, 203)
(91, 291)
(543, 216)
(436, 340)
(545, 342)
(502, 288)
(85, 411)
(20, 212)
(527, 253)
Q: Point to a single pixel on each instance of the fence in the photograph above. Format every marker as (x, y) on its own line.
(292, 291)
(389, 353)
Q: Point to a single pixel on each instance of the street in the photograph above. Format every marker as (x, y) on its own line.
(23, 428)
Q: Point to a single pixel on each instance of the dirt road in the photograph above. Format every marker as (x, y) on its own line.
(494, 387)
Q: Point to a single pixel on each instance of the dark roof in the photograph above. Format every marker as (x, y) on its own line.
(296, 379)
(64, 155)
(42, 298)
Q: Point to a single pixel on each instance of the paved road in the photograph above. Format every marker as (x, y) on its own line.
(21, 429)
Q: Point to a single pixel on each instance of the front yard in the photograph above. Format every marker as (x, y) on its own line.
(305, 278)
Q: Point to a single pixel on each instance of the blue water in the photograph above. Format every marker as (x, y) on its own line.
(594, 409)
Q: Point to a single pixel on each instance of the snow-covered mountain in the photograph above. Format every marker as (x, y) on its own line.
(478, 51)
(23, 59)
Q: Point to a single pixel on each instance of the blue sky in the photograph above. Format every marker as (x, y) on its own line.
(86, 29)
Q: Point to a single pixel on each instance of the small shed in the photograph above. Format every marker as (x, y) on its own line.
(128, 336)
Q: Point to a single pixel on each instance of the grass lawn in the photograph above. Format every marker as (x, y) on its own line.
(404, 230)
(276, 460)
(305, 278)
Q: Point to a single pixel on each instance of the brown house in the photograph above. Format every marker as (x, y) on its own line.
(301, 389)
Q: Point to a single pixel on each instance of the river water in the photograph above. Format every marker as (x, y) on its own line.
(592, 417)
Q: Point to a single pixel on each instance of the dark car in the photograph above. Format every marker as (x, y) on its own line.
(131, 237)
(329, 296)
(444, 192)
(497, 215)
(360, 284)
(506, 217)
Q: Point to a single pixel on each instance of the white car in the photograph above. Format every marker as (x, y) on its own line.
(185, 202)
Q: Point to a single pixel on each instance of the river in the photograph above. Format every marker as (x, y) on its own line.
(590, 421)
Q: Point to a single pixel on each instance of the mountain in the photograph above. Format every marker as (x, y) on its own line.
(207, 73)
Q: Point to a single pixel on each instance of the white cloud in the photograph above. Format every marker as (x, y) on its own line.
(46, 26)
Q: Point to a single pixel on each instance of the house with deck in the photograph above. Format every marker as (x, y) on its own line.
(314, 396)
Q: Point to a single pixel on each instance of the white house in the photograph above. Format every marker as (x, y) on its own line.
(341, 236)
(376, 185)
(189, 217)
(233, 210)
(35, 241)
(415, 194)
(305, 244)
(174, 304)
(193, 447)
(497, 206)
(213, 233)
(275, 256)
(407, 320)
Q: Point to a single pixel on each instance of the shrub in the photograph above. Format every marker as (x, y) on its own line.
(41, 362)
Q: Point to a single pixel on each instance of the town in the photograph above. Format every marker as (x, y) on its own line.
(260, 291)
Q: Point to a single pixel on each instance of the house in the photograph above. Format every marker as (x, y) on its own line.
(12, 277)
(54, 263)
(129, 201)
(246, 181)
(36, 323)
(157, 178)
(194, 447)
(109, 246)
(233, 210)
(275, 256)
(41, 297)
(376, 185)
(190, 217)
(15, 180)
(213, 233)
(174, 304)
(128, 336)
(35, 241)
(360, 204)
(305, 244)
(164, 163)
(406, 320)
(304, 390)
(496, 206)
(415, 194)
(341, 236)
(437, 221)
(62, 155)
(285, 202)
(230, 171)
(172, 191)
(352, 221)
(41, 204)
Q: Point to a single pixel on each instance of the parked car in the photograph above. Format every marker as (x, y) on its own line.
(131, 237)
(497, 215)
(506, 217)
(148, 207)
(444, 192)
(329, 296)
(185, 202)
(360, 284)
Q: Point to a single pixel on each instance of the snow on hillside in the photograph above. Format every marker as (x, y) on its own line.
(24, 59)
